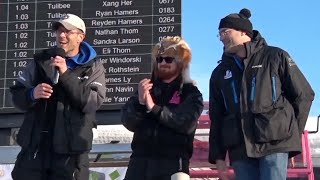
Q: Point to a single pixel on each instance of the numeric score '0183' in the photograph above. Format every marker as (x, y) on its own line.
(167, 10)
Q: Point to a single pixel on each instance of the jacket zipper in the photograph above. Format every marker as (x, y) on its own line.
(234, 92)
(253, 87)
(68, 128)
(37, 149)
(274, 92)
(224, 101)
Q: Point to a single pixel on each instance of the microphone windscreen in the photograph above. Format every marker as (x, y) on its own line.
(57, 52)
(60, 52)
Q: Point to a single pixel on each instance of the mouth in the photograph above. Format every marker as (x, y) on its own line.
(226, 43)
(164, 67)
(62, 43)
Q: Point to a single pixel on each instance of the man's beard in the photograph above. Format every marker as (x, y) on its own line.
(166, 73)
(229, 47)
(232, 47)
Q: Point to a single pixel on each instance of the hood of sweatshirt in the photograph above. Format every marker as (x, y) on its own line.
(86, 54)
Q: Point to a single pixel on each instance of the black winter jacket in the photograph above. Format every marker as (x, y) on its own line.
(257, 106)
(69, 114)
(168, 130)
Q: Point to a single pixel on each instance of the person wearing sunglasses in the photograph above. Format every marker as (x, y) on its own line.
(163, 115)
(259, 102)
(60, 91)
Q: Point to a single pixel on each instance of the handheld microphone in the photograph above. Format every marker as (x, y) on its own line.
(62, 53)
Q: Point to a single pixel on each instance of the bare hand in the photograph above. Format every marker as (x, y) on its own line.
(143, 88)
(222, 169)
(149, 101)
(42, 90)
(60, 63)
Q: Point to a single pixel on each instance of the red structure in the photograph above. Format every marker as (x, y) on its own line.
(299, 166)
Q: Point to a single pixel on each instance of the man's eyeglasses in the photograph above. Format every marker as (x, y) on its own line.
(67, 32)
(168, 60)
(224, 33)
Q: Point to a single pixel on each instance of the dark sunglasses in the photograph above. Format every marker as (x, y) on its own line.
(168, 60)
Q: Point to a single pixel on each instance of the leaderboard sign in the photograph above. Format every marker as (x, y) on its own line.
(122, 32)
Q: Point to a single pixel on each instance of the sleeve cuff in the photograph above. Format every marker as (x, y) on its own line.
(65, 76)
(137, 106)
(156, 110)
(31, 94)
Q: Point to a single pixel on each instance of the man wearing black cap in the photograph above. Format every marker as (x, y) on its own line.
(60, 91)
(258, 105)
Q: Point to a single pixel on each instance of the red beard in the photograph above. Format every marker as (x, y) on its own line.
(166, 72)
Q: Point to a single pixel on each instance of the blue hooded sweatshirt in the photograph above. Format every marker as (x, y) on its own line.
(86, 54)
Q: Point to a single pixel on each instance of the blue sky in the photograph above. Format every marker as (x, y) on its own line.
(291, 25)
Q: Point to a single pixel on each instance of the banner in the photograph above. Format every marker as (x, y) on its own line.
(99, 173)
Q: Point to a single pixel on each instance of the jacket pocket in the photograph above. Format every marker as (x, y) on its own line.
(81, 132)
(169, 137)
(25, 131)
(274, 125)
(231, 132)
(264, 93)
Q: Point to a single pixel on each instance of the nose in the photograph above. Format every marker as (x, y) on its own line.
(163, 62)
(221, 37)
(62, 34)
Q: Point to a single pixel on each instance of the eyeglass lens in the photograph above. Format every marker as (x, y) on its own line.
(166, 59)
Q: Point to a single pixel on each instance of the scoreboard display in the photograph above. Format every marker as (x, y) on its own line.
(122, 32)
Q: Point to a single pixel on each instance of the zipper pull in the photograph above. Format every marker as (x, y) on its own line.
(180, 164)
(35, 154)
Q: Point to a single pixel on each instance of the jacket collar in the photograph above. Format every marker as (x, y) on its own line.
(253, 46)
